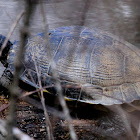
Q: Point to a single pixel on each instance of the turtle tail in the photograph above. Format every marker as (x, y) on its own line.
(5, 51)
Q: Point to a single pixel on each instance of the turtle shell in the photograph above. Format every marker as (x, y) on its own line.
(105, 67)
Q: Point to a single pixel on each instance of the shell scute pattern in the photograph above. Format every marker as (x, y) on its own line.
(73, 59)
(107, 68)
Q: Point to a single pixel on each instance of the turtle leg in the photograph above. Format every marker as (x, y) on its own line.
(112, 125)
(5, 81)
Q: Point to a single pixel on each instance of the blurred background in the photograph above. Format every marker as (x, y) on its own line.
(121, 18)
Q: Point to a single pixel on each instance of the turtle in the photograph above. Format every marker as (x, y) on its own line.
(93, 66)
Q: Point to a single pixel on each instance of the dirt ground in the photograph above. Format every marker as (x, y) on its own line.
(89, 123)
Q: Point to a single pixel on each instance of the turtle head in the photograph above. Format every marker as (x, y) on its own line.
(5, 51)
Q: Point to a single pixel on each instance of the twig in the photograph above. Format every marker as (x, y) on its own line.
(3, 107)
(16, 132)
(37, 90)
(138, 133)
(55, 77)
(11, 30)
(64, 105)
(11, 120)
(20, 135)
(84, 12)
(47, 120)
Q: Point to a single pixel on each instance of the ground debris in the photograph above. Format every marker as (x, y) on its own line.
(91, 125)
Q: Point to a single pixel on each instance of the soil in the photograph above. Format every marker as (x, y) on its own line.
(89, 123)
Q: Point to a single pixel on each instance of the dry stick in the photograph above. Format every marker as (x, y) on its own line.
(84, 89)
(78, 87)
(37, 90)
(16, 132)
(47, 120)
(20, 135)
(11, 120)
(64, 105)
(55, 77)
(138, 133)
(3, 107)
(11, 30)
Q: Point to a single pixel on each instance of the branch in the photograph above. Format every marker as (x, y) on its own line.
(57, 83)
(11, 120)
(11, 31)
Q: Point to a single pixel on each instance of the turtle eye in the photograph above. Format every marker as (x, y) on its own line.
(49, 33)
